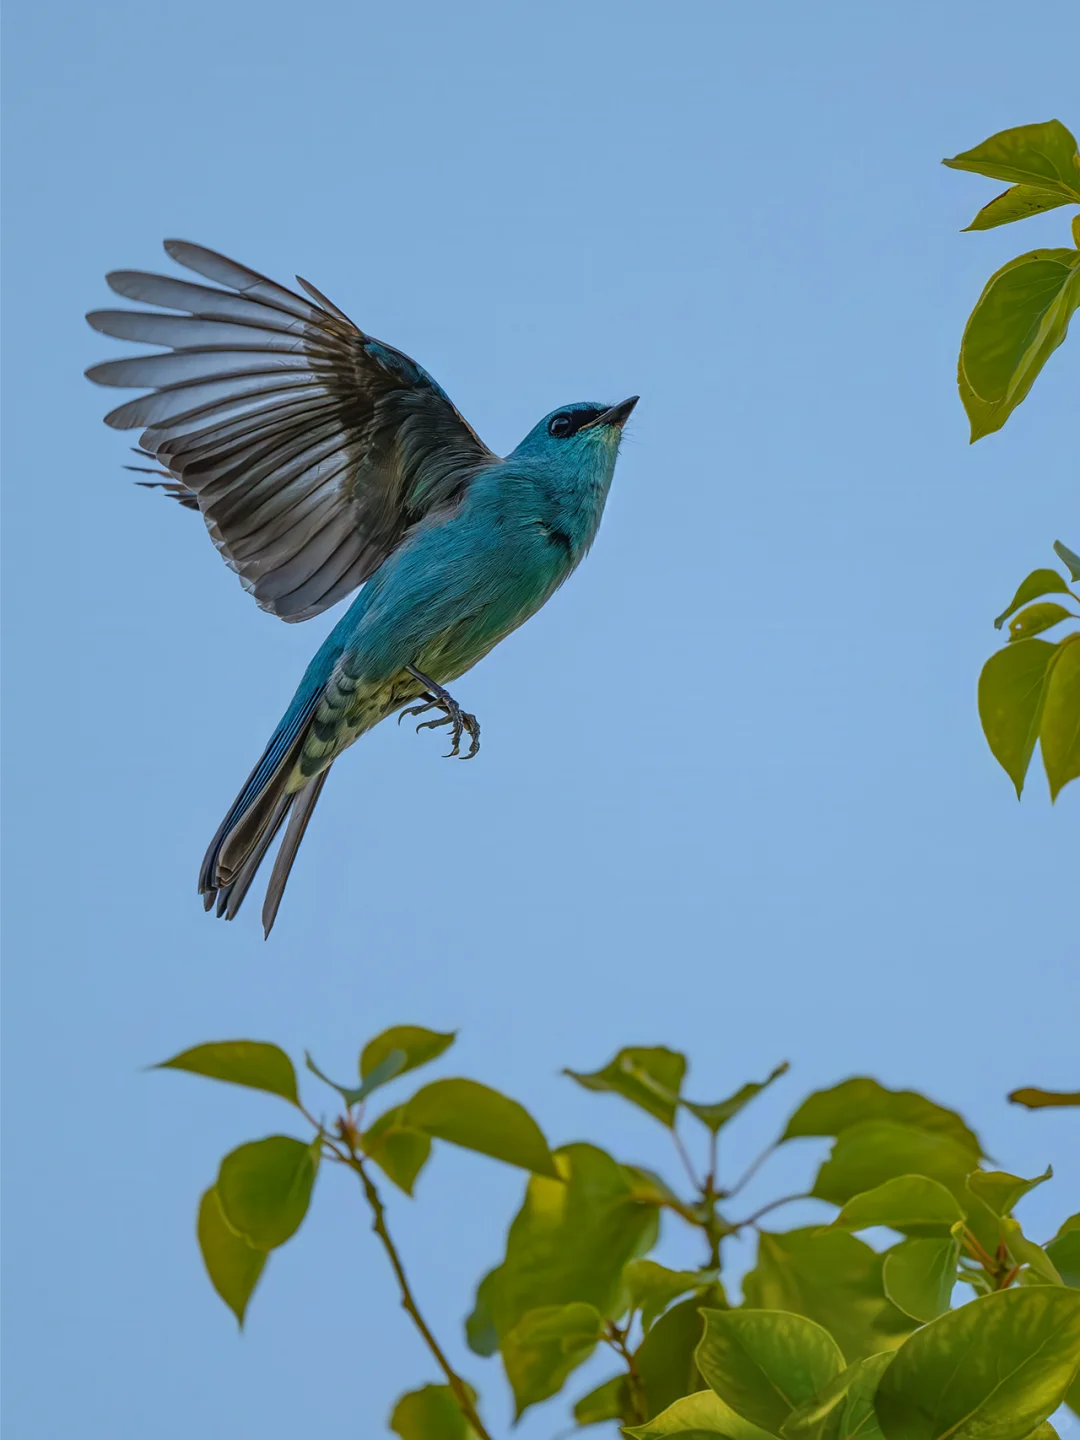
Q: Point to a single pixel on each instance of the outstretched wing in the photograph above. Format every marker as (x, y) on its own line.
(308, 446)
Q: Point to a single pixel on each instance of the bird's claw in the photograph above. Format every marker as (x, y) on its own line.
(462, 722)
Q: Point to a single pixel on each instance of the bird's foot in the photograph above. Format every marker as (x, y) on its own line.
(462, 723)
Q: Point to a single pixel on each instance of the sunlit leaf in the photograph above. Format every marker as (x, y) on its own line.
(399, 1152)
(650, 1287)
(1001, 1191)
(265, 1188)
(253, 1063)
(912, 1204)
(919, 1276)
(232, 1264)
(1035, 585)
(431, 1413)
(997, 1366)
(764, 1363)
(648, 1076)
(418, 1045)
(1012, 689)
(717, 1115)
(833, 1279)
(1025, 1252)
(1036, 1099)
(1037, 618)
(570, 1241)
(466, 1113)
(1043, 155)
(1019, 320)
(1070, 557)
(696, 1416)
(866, 1155)
(1064, 1252)
(1059, 730)
(545, 1346)
(1017, 203)
(827, 1112)
(844, 1408)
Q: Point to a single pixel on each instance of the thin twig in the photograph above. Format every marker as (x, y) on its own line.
(688, 1164)
(458, 1387)
(616, 1338)
(772, 1205)
(749, 1174)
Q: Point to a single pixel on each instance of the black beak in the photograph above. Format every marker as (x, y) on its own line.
(617, 415)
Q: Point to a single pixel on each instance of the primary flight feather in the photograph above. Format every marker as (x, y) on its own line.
(321, 460)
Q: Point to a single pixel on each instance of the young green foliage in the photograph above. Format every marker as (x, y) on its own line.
(1030, 691)
(1023, 313)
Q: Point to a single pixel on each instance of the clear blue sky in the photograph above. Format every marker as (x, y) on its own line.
(733, 796)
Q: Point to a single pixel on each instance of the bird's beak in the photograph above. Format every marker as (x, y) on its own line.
(617, 415)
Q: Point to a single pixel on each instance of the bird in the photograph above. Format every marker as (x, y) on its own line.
(323, 460)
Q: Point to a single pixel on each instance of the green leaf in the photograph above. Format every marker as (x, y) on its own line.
(1043, 155)
(650, 1077)
(480, 1334)
(1019, 320)
(569, 1241)
(844, 1408)
(919, 1276)
(827, 1112)
(1001, 1191)
(996, 1367)
(912, 1204)
(1025, 1252)
(1037, 584)
(665, 1358)
(716, 1116)
(1059, 732)
(1064, 1252)
(833, 1279)
(865, 1156)
(1012, 690)
(696, 1417)
(1070, 557)
(393, 1065)
(1036, 1099)
(418, 1045)
(232, 1264)
(430, 1413)
(545, 1346)
(1017, 203)
(1037, 618)
(466, 1113)
(265, 1188)
(651, 1288)
(609, 1401)
(764, 1363)
(399, 1152)
(240, 1062)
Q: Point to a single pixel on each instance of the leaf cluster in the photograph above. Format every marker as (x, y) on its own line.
(832, 1338)
(1030, 690)
(1023, 313)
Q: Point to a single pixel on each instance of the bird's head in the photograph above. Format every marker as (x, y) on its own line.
(584, 434)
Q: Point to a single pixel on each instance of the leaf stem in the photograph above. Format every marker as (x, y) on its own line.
(458, 1388)
(616, 1338)
(688, 1164)
(751, 1171)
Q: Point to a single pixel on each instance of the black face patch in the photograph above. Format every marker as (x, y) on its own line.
(569, 422)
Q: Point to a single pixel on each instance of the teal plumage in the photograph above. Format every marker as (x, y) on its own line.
(321, 459)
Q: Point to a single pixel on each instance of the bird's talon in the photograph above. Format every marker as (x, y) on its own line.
(453, 715)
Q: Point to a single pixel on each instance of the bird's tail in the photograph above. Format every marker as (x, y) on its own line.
(254, 819)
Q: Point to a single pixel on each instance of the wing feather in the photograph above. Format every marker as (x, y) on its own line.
(309, 447)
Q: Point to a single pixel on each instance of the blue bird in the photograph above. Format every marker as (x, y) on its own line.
(320, 460)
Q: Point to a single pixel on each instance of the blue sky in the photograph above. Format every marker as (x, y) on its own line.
(733, 796)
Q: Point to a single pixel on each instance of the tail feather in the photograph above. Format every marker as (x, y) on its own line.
(303, 805)
(231, 896)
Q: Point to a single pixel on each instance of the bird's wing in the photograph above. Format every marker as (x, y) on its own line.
(308, 446)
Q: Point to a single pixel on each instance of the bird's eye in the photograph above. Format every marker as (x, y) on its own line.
(561, 426)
